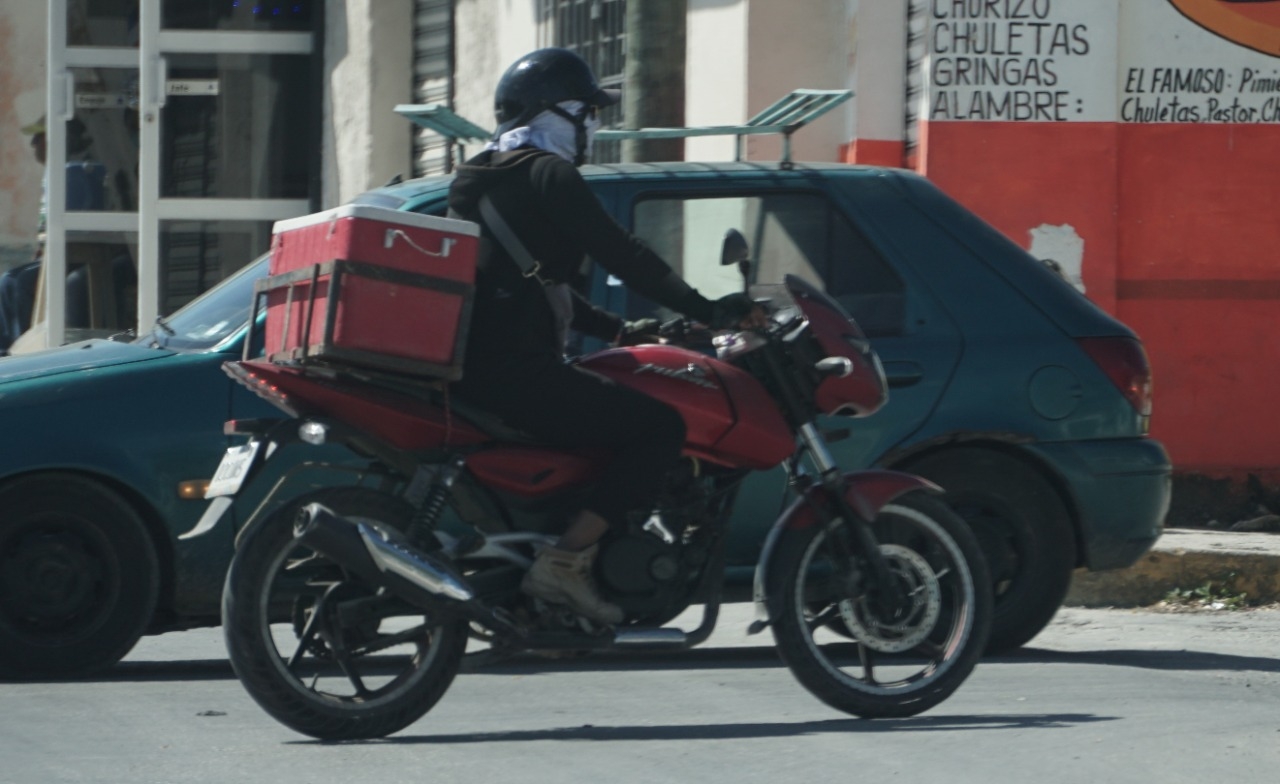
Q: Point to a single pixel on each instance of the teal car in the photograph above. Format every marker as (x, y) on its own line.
(1024, 401)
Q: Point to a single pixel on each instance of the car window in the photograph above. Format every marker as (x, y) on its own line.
(799, 234)
(215, 315)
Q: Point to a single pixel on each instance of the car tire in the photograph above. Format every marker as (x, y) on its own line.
(79, 576)
(1024, 530)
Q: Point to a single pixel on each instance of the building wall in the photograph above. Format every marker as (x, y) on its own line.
(877, 63)
(1136, 144)
(23, 40)
(744, 55)
(802, 44)
(715, 74)
(490, 35)
(369, 70)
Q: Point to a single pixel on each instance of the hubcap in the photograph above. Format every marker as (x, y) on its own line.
(57, 579)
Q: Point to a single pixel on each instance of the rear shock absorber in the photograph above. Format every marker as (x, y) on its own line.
(426, 517)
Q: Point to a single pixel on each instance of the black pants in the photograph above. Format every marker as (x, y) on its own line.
(564, 406)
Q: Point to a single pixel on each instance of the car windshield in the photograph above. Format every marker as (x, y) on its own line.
(211, 318)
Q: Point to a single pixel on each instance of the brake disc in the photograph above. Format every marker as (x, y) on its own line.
(921, 587)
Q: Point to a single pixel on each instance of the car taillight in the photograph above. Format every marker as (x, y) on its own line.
(1125, 362)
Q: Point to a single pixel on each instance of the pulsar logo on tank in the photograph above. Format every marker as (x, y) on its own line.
(1251, 23)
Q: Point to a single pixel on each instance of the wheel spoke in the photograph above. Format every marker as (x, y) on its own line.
(308, 634)
(344, 662)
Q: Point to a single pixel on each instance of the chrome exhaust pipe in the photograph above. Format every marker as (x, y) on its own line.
(380, 556)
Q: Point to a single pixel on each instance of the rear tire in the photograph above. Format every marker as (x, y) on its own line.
(891, 669)
(273, 590)
(1024, 531)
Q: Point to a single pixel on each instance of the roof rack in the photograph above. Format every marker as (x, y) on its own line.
(786, 116)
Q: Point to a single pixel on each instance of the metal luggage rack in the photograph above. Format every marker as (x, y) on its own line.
(784, 117)
(328, 357)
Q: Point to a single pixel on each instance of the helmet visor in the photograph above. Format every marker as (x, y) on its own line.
(604, 98)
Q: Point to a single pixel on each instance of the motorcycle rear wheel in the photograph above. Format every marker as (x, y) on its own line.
(320, 650)
(892, 668)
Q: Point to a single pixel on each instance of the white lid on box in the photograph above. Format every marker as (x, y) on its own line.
(382, 215)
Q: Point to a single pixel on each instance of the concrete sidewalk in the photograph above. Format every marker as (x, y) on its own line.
(1232, 562)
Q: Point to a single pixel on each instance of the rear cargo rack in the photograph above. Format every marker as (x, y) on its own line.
(784, 117)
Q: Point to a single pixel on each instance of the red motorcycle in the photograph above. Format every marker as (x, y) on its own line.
(348, 610)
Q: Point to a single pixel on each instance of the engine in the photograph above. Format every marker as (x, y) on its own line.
(651, 568)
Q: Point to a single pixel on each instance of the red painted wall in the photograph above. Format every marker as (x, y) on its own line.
(1181, 225)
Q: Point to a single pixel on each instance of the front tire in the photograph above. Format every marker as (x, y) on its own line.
(892, 668)
(79, 577)
(321, 651)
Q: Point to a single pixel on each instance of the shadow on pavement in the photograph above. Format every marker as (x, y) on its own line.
(740, 731)
(720, 658)
(145, 671)
(1151, 660)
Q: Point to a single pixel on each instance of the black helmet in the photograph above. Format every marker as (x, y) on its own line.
(542, 79)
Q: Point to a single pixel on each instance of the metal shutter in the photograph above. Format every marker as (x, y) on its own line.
(432, 80)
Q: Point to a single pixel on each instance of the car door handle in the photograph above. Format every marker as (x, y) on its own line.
(903, 373)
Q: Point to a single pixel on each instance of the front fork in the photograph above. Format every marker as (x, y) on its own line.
(863, 553)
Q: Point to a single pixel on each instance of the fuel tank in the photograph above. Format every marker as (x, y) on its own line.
(729, 416)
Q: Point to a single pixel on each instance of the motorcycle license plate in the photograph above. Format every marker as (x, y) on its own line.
(232, 470)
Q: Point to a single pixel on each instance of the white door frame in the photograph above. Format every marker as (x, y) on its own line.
(154, 43)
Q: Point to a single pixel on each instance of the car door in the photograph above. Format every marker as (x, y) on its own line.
(795, 226)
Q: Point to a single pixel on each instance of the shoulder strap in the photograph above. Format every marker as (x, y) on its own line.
(528, 265)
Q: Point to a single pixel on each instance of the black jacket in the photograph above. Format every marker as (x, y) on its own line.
(548, 205)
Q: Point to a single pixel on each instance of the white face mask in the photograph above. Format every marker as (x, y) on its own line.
(551, 132)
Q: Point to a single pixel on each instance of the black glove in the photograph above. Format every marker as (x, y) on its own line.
(730, 309)
(633, 333)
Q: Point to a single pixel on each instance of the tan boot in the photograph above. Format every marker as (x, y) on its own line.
(564, 577)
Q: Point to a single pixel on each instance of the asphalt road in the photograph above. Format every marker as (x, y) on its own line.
(1101, 695)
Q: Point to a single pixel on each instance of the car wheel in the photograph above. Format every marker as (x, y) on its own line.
(79, 578)
(1024, 530)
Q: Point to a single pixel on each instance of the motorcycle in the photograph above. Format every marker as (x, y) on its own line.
(347, 610)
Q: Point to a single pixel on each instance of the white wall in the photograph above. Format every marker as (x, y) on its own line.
(744, 55)
(369, 69)
(877, 68)
(793, 45)
(715, 74)
(490, 35)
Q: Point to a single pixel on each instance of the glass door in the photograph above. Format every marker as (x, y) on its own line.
(186, 128)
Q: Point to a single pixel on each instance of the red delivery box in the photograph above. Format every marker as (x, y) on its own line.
(371, 287)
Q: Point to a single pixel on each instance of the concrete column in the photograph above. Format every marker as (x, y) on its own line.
(368, 53)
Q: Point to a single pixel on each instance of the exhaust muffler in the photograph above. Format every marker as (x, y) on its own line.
(381, 556)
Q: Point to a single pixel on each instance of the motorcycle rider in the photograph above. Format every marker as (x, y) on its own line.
(547, 222)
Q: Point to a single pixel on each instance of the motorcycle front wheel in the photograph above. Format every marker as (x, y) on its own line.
(321, 651)
(898, 664)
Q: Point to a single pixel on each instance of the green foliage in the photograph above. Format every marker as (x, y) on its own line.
(1210, 595)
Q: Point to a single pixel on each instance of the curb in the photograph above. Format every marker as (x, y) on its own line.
(1229, 562)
